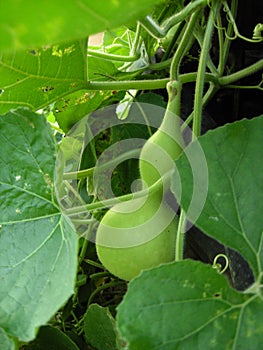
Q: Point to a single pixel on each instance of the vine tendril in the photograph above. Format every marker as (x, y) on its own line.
(218, 266)
(257, 37)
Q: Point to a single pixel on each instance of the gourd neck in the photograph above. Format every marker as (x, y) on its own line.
(171, 123)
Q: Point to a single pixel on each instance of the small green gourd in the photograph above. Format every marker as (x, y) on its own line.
(140, 233)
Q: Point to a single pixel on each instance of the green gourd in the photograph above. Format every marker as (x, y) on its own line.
(165, 145)
(136, 235)
(140, 233)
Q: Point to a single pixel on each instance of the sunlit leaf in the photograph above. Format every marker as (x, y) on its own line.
(27, 23)
(36, 77)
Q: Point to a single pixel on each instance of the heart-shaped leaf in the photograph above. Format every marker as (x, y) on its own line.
(188, 305)
(233, 205)
(38, 245)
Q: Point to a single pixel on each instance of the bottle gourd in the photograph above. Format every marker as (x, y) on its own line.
(140, 233)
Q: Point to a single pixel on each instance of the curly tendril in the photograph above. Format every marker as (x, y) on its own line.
(257, 33)
(218, 266)
(257, 37)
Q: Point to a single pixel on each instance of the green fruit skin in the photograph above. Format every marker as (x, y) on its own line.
(157, 157)
(130, 252)
(166, 144)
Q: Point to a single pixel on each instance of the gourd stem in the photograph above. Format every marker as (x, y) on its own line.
(183, 14)
(200, 79)
(171, 119)
(111, 201)
(102, 287)
(152, 27)
(253, 68)
(80, 174)
(146, 84)
(85, 244)
(225, 46)
(172, 45)
(112, 57)
(207, 97)
(199, 35)
(183, 46)
(137, 40)
(179, 246)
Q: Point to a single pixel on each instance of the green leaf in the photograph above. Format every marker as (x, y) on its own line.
(232, 211)
(70, 109)
(99, 328)
(188, 305)
(38, 245)
(99, 69)
(27, 23)
(36, 77)
(51, 338)
(6, 342)
(102, 70)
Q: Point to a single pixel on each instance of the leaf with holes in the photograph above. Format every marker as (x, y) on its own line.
(188, 305)
(72, 108)
(38, 246)
(36, 77)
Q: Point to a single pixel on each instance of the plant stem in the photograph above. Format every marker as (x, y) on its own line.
(183, 14)
(112, 57)
(111, 201)
(93, 263)
(99, 275)
(183, 47)
(179, 246)
(145, 84)
(159, 32)
(208, 95)
(160, 65)
(152, 27)
(172, 43)
(81, 282)
(127, 85)
(102, 287)
(137, 40)
(199, 34)
(221, 63)
(200, 79)
(80, 174)
(225, 46)
(85, 244)
(161, 83)
(229, 79)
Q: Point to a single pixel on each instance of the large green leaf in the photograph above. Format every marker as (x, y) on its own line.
(36, 77)
(232, 212)
(27, 23)
(38, 246)
(188, 305)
